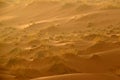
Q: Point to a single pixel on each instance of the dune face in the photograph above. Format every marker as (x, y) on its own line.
(59, 40)
(80, 77)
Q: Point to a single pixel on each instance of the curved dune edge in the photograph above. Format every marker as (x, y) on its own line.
(81, 76)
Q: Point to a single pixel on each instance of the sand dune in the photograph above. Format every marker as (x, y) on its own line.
(83, 76)
(59, 40)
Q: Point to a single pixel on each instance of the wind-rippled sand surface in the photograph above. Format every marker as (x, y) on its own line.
(59, 40)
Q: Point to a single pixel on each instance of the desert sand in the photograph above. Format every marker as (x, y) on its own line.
(59, 40)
